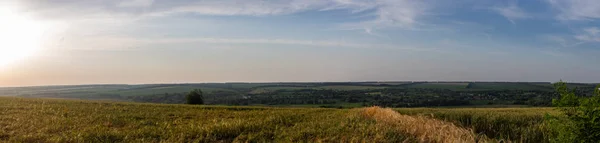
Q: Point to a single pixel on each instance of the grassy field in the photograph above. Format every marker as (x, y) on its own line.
(52, 120)
(516, 124)
(57, 120)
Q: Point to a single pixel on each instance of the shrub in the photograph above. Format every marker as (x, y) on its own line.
(580, 121)
(195, 97)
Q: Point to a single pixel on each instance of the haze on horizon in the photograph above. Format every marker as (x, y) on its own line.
(184, 41)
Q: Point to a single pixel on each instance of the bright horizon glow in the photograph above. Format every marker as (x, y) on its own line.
(21, 36)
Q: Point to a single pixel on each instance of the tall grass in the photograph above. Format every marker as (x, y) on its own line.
(54, 120)
(422, 128)
(48, 120)
(508, 124)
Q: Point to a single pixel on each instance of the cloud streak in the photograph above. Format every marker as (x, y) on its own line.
(128, 43)
(576, 9)
(382, 13)
(135, 3)
(563, 41)
(244, 7)
(386, 13)
(512, 13)
(590, 34)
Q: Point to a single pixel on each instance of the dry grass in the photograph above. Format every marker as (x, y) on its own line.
(514, 124)
(422, 128)
(54, 120)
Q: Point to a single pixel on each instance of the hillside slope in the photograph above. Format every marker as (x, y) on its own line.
(53, 120)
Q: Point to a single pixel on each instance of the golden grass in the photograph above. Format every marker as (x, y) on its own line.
(514, 124)
(54, 120)
(422, 128)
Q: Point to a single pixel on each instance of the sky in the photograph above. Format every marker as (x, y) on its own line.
(66, 42)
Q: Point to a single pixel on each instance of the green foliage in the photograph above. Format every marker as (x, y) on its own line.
(195, 97)
(386, 94)
(441, 85)
(580, 121)
(509, 86)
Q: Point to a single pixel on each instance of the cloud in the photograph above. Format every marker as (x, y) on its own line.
(592, 30)
(245, 7)
(385, 13)
(590, 34)
(511, 13)
(563, 40)
(76, 11)
(388, 14)
(576, 9)
(582, 36)
(256, 41)
(92, 20)
(382, 13)
(554, 53)
(135, 3)
(120, 43)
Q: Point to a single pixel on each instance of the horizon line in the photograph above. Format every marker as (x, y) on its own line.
(286, 82)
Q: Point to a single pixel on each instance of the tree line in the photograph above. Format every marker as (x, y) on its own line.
(388, 97)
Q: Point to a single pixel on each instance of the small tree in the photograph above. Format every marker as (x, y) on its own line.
(580, 121)
(195, 97)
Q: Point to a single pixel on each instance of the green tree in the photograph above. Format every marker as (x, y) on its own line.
(580, 119)
(195, 97)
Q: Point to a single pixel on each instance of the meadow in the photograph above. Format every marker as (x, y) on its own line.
(60, 120)
(56, 120)
(512, 124)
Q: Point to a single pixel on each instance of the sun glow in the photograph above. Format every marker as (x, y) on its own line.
(20, 36)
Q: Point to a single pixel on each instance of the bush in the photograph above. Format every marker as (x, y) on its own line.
(195, 97)
(580, 121)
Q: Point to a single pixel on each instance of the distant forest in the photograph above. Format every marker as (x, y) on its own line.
(334, 95)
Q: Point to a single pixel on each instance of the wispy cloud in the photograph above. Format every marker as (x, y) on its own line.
(255, 41)
(563, 40)
(386, 13)
(317, 43)
(590, 34)
(390, 14)
(383, 13)
(582, 36)
(119, 43)
(576, 9)
(512, 12)
(135, 3)
(554, 53)
(244, 7)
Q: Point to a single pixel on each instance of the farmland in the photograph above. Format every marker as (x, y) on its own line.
(58, 120)
(26, 119)
(54, 120)
(328, 94)
(48, 120)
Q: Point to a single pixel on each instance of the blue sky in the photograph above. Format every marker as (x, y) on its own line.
(178, 41)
